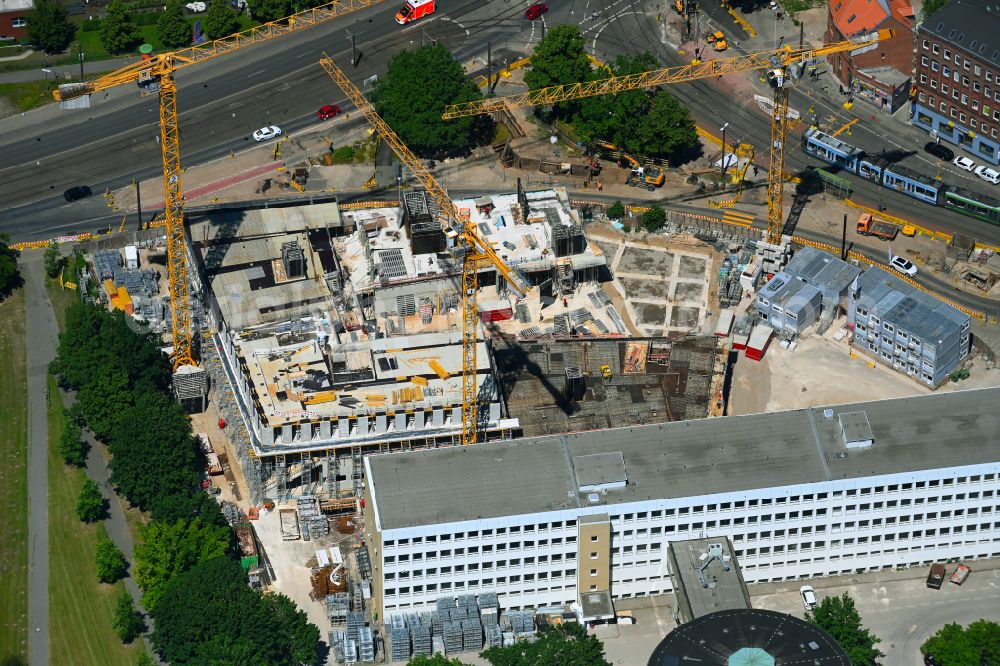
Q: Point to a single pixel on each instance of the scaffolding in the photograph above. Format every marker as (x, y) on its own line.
(228, 410)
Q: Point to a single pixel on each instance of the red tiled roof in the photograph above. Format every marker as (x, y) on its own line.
(853, 16)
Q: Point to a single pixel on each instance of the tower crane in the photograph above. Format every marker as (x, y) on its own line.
(155, 75)
(477, 251)
(783, 65)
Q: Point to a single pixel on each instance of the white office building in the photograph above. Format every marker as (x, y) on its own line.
(804, 493)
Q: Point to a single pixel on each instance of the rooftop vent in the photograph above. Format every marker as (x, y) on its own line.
(856, 430)
(600, 472)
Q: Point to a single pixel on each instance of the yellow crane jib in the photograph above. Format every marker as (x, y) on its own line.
(775, 58)
(155, 75)
(475, 248)
(783, 66)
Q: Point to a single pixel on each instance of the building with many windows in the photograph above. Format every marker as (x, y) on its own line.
(813, 492)
(14, 19)
(906, 328)
(956, 76)
(877, 73)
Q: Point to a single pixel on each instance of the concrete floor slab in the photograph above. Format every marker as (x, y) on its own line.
(691, 266)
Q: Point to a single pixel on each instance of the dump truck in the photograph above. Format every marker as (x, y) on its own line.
(936, 577)
(869, 225)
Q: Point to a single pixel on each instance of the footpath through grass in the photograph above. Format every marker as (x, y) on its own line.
(80, 608)
(13, 481)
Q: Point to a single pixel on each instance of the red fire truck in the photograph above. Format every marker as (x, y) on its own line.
(414, 9)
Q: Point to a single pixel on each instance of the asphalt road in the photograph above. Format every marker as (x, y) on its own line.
(42, 332)
(221, 102)
(904, 613)
(224, 99)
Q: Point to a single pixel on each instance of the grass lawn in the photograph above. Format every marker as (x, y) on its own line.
(26, 96)
(13, 481)
(80, 608)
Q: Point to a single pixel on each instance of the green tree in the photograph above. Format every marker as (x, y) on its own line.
(168, 550)
(111, 563)
(72, 448)
(10, 278)
(566, 645)
(145, 660)
(117, 32)
(90, 504)
(559, 58)
(437, 660)
(654, 219)
(269, 10)
(412, 96)
(220, 20)
(641, 124)
(208, 615)
(953, 645)
(54, 260)
(127, 621)
(616, 211)
(155, 466)
(105, 399)
(668, 131)
(95, 338)
(173, 28)
(931, 6)
(49, 27)
(839, 617)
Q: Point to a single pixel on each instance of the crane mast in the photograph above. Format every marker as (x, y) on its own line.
(476, 249)
(156, 75)
(782, 65)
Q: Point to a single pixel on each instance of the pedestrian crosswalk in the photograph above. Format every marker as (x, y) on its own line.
(738, 218)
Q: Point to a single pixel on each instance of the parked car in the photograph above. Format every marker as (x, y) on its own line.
(328, 111)
(961, 573)
(939, 151)
(265, 133)
(196, 7)
(963, 162)
(903, 266)
(988, 174)
(77, 192)
(808, 595)
(536, 10)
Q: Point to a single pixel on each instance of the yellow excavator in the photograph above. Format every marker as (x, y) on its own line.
(640, 175)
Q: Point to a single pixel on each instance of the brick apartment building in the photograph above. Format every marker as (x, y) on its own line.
(14, 19)
(956, 76)
(878, 73)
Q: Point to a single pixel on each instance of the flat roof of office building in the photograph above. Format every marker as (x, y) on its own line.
(685, 459)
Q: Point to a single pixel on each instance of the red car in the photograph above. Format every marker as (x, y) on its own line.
(328, 111)
(534, 11)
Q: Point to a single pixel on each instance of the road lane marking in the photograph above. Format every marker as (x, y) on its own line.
(255, 74)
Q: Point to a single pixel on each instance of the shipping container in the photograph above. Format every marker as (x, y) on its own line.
(760, 338)
(725, 325)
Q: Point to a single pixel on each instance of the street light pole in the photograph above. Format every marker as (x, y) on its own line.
(724, 150)
(80, 53)
(354, 49)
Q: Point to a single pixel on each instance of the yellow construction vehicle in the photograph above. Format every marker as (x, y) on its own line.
(154, 74)
(640, 175)
(606, 372)
(717, 40)
(469, 246)
(784, 66)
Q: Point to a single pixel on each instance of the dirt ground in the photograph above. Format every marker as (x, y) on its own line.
(821, 371)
